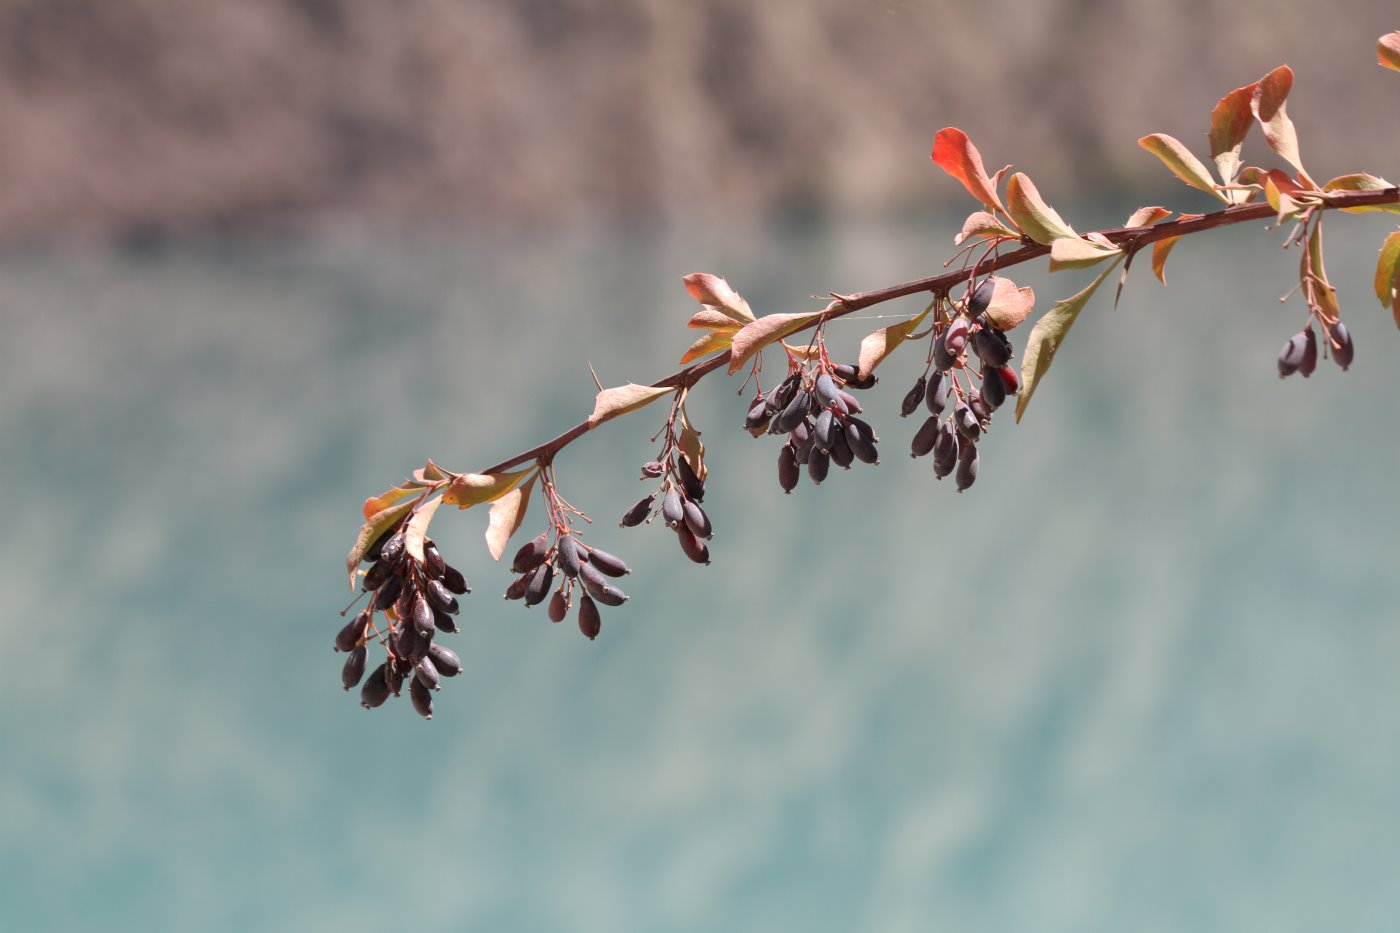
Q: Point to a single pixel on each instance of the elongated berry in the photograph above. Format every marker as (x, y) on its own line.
(955, 337)
(945, 450)
(637, 513)
(924, 437)
(841, 453)
(444, 622)
(353, 631)
(422, 698)
(1343, 351)
(589, 622)
(967, 467)
(818, 464)
(393, 548)
(695, 519)
(433, 562)
(384, 597)
(614, 566)
(394, 673)
(426, 671)
(599, 588)
(966, 421)
(823, 431)
(979, 406)
(445, 660)
(993, 390)
(558, 606)
(691, 546)
(376, 688)
(756, 421)
(693, 485)
(992, 346)
(671, 508)
(1291, 356)
(376, 549)
(913, 397)
(936, 393)
(980, 299)
(531, 554)
(791, 415)
(1009, 379)
(787, 469)
(853, 405)
(537, 586)
(404, 640)
(454, 581)
(516, 590)
(376, 575)
(850, 375)
(943, 358)
(568, 549)
(423, 616)
(827, 395)
(354, 668)
(1309, 361)
(860, 441)
(441, 597)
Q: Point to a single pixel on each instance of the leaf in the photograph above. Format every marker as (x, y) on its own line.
(1161, 249)
(1036, 219)
(713, 319)
(1078, 253)
(1388, 51)
(1388, 274)
(1267, 103)
(714, 293)
(619, 400)
(875, 347)
(469, 489)
(693, 448)
(506, 516)
(1229, 124)
(1147, 216)
(1360, 181)
(430, 473)
(754, 337)
(1047, 336)
(370, 532)
(1322, 291)
(955, 154)
(1282, 204)
(982, 224)
(1183, 164)
(416, 530)
(710, 343)
(385, 499)
(1009, 305)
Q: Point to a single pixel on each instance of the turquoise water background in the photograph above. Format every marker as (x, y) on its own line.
(1142, 676)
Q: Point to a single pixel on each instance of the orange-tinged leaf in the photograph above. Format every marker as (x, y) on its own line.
(506, 516)
(1182, 163)
(1036, 219)
(875, 347)
(982, 224)
(1388, 274)
(710, 343)
(1078, 253)
(1047, 336)
(1323, 292)
(370, 532)
(693, 449)
(1161, 249)
(1388, 51)
(429, 474)
(619, 400)
(416, 531)
(1229, 124)
(955, 154)
(1267, 104)
(1360, 181)
(713, 319)
(469, 489)
(714, 292)
(1147, 216)
(754, 337)
(385, 499)
(1009, 305)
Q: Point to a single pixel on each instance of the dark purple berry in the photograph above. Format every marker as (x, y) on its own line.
(423, 616)
(350, 635)
(653, 468)
(694, 487)
(695, 519)
(827, 395)
(377, 548)
(913, 397)
(671, 508)
(589, 622)
(376, 688)
(558, 606)
(945, 450)
(444, 622)
(980, 299)
(1342, 348)
(955, 337)
(992, 346)
(792, 414)
(787, 469)
(936, 395)
(531, 554)
(433, 562)
(393, 548)
(599, 588)
(516, 590)
(966, 421)
(824, 430)
(614, 566)
(1309, 361)
(376, 575)
(756, 421)
(993, 391)
(943, 358)
(1009, 379)
(924, 437)
(861, 441)
(426, 671)
(386, 594)
(692, 546)
(422, 698)
(454, 581)
(637, 513)
(852, 404)
(841, 453)
(568, 555)
(967, 467)
(354, 668)
(441, 597)
(537, 586)
(445, 660)
(818, 464)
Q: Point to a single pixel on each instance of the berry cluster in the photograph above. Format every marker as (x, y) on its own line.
(1299, 354)
(417, 599)
(581, 566)
(953, 442)
(681, 493)
(812, 407)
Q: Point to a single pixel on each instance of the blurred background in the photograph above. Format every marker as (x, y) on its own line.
(259, 261)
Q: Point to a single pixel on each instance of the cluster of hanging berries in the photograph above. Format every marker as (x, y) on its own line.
(681, 493)
(1299, 354)
(577, 566)
(812, 407)
(953, 442)
(417, 599)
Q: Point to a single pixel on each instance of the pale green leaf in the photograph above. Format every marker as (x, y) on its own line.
(1036, 219)
(1047, 336)
(1182, 163)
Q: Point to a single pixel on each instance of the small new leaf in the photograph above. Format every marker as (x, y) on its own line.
(875, 347)
(1009, 305)
(1036, 219)
(955, 154)
(469, 489)
(1388, 51)
(984, 225)
(1147, 216)
(619, 400)
(754, 337)
(1388, 274)
(1047, 336)
(1229, 124)
(1182, 163)
(1267, 104)
(506, 516)
(417, 529)
(1160, 251)
(714, 293)
(370, 532)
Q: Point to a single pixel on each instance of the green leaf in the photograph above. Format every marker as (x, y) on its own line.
(416, 531)
(506, 516)
(875, 347)
(1229, 124)
(1036, 219)
(619, 400)
(714, 293)
(1047, 335)
(469, 489)
(1183, 164)
(1267, 103)
(1388, 51)
(767, 329)
(984, 225)
(955, 154)
(1360, 181)
(370, 532)
(1388, 274)
(1078, 253)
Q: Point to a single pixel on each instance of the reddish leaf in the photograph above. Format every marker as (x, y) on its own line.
(506, 516)
(619, 400)
(955, 154)
(1147, 216)
(875, 347)
(370, 532)
(1267, 104)
(1009, 305)
(754, 337)
(1036, 219)
(1160, 251)
(469, 489)
(1182, 163)
(710, 343)
(1280, 200)
(1229, 124)
(982, 224)
(385, 499)
(1388, 274)
(1388, 51)
(714, 292)
(416, 531)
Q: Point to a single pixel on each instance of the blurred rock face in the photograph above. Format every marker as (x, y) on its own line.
(151, 116)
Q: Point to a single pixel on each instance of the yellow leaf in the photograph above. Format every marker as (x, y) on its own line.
(619, 400)
(385, 499)
(1160, 251)
(1360, 181)
(875, 347)
(506, 516)
(754, 337)
(713, 341)
(469, 489)
(1036, 219)
(713, 319)
(1388, 51)
(1182, 163)
(370, 532)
